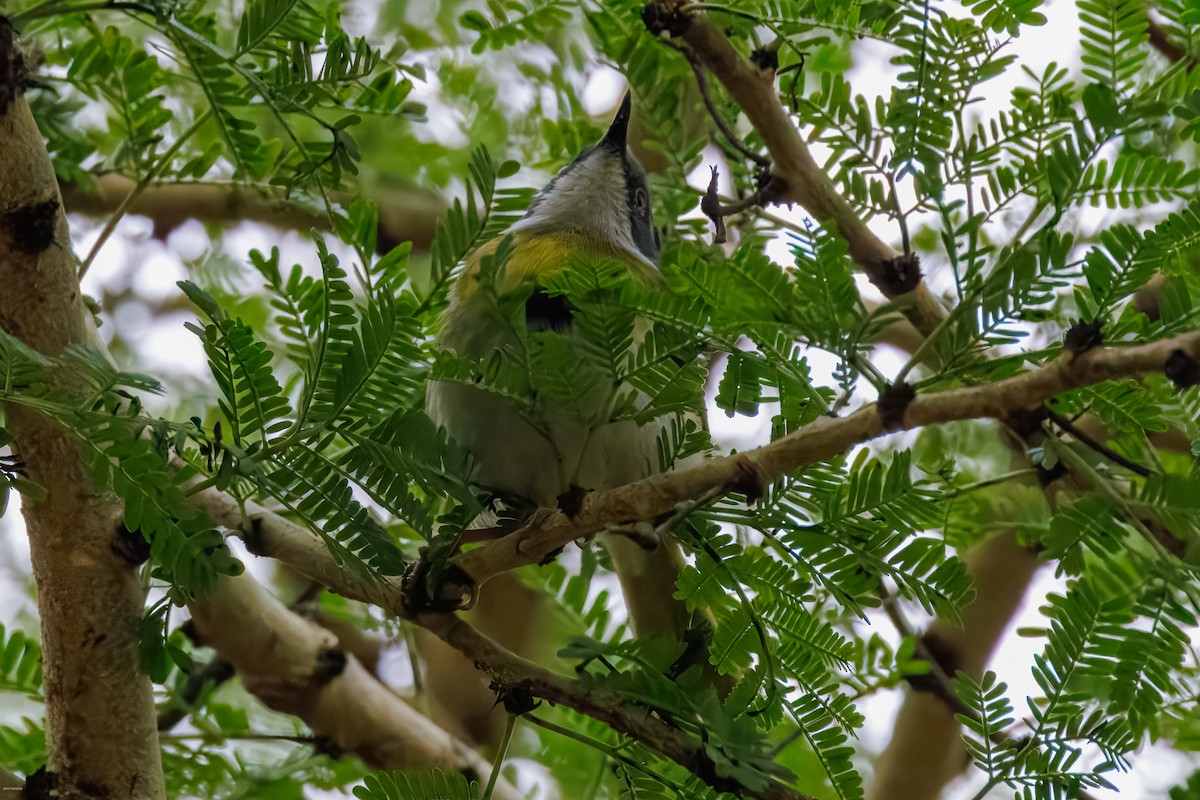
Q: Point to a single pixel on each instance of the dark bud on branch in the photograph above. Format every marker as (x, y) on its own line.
(31, 228)
(659, 20)
(1182, 369)
(331, 662)
(1083, 336)
(899, 275)
(893, 402)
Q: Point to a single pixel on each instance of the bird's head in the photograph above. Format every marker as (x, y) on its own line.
(601, 195)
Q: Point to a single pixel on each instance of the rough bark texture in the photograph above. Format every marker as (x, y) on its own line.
(295, 666)
(100, 719)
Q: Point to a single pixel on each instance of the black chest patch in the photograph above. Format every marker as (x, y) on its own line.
(544, 312)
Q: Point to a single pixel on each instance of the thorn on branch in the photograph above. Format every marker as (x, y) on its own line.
(893, 402)
(31, 228)
(1083, 336)
(769, 190)
(899, 275)
(1182, 369)
(659, 20)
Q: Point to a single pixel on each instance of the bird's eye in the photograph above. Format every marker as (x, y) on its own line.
(640, 201)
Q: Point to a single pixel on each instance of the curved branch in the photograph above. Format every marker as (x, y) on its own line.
(269, 534)
(295, 666)
(806, 183)
(817, 441)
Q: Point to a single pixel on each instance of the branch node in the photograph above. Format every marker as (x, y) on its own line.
(944, 656)
(893, 402)
(1083, 336)
(130, 546)
(1048, 475)
(331, 662)
(899, 275)
(252, 537)
(770, 189)
(31, 228)
(748, 480)
(41, 784)
(766, 59)
(1182, 369)
(659, 20)
(441, 587)
(518, 700)
(1026, 422)
(570, 502)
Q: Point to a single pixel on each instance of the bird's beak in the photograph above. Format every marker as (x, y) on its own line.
(615, 137)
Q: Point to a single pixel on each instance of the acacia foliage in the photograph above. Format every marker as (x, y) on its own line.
(319, 373)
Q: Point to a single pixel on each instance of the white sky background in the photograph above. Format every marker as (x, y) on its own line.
(134, 259)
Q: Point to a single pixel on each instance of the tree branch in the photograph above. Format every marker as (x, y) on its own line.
(1163, 44)
(404, 215)
(295, 666)
(100, 720)
(271, 535)
(895, 274)
(817, 441)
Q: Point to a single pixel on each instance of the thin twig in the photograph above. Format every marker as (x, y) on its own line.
(702, 84)
(1099, 447)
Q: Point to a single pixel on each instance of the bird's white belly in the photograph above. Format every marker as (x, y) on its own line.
(540, 456)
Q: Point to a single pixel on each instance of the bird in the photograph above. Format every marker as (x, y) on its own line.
(525, 441)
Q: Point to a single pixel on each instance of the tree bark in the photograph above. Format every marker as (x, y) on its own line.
(100, 718)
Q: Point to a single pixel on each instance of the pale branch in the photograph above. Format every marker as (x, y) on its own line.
(271, 535)
(926, 752)
(1161, 42)
(404, 215)
(817, 441)
(100, 720)
(897, 275)
(296, 667)
(510, 673)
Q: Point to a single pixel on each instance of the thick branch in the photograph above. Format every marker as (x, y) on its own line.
(1163, 44)
(817, 441)
(295, 666)
(404, 216)
(926, 750)
(509, 671)
(271, 535)
(100, 720)
(806, 183)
